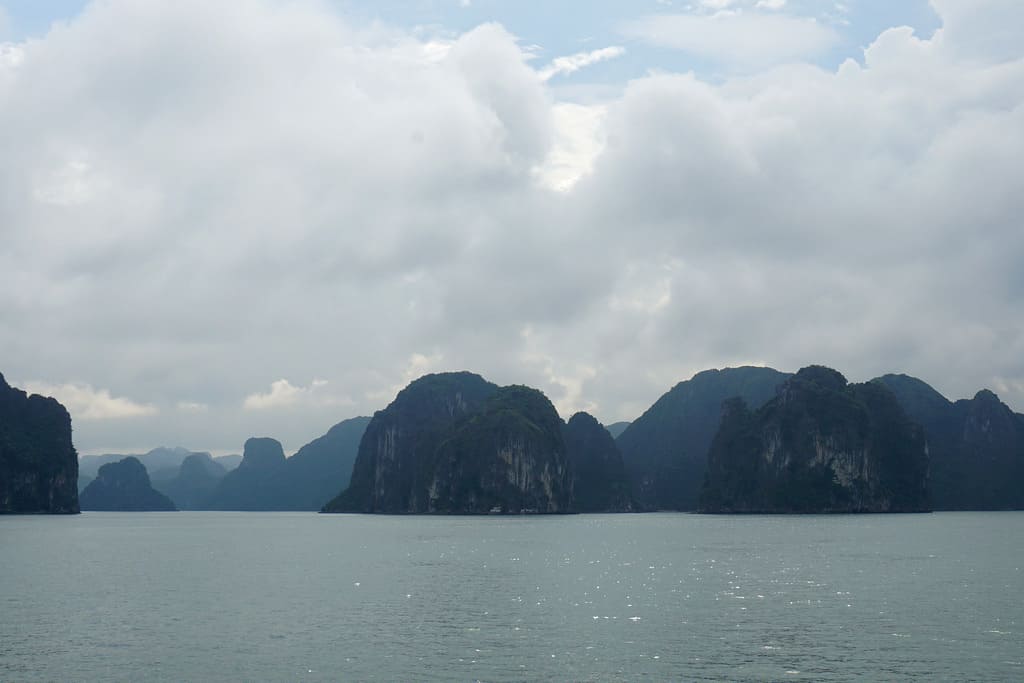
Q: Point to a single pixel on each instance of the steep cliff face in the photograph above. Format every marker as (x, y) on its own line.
(665, 450)
(599, 481)
(821, 445)
(124, 486)
(254, 481)
(396, 459)
(38, 463)
(509, 456)
(455, 443)
(976, 446)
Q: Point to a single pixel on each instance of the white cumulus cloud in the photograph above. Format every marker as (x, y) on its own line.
(86, 403)
(579, 139)
(207, 214)
(283, 394)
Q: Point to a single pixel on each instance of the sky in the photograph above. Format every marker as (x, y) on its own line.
(258, 218)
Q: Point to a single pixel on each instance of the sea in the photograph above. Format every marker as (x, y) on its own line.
(220, 596)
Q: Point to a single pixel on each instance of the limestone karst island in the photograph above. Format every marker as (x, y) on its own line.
(736, 440)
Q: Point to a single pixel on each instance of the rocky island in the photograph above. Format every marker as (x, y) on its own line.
(599, 481)
(38, 463)
(255, 481)
(976, 446)
(666, 449)
(193, 483)
(124, 486)
(821, 445)
(454, 443)
(747, 439)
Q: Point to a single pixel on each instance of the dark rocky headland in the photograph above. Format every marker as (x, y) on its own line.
(454, 443)
(38, 463)
(821, 445)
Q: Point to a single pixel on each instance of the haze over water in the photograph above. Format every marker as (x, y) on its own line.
(282, 596)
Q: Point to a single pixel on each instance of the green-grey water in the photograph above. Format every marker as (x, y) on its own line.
(290, 596)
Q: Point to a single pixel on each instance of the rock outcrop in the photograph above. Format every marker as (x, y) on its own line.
(665, 450)
(507, 457)
(161, 463)
(228, 462)
(194, 483)
(976, 446)
(38, 463)
(320, 469)
(599, 482)
(454, 443)
(255, 481)
(124, 486)
(396, 458)
(616, 428)
(267, 481)
(822, 446)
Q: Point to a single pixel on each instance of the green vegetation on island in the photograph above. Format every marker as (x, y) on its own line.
(821, 445)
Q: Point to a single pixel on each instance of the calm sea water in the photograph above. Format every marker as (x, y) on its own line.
(282, 596)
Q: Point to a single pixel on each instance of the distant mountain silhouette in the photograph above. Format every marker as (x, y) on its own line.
(38, 463)
(194, 483)
(976, 446)
(161, 462)
(616, 428)
(665, 450)
(321, 468)
(254, 482)
(821, 445)
(266, 480)
(229, 462)
(124, 486)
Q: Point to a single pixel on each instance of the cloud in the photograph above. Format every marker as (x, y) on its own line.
(284, 394)
(86, 403)
(192, 407)
(573, 63)
(736, 37)
(176, 223)
(579, 139)
(10, 57)
(988, 30)
(417, 365)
